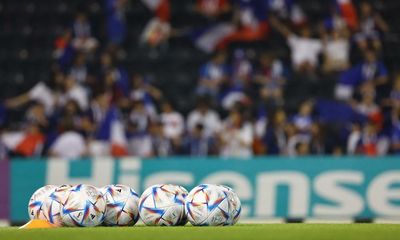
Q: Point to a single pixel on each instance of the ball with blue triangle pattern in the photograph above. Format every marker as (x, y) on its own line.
(122, 205)
(163, 205)
(208, 205)
(85, 207)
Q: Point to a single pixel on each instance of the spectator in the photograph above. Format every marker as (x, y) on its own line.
(298, 143)
(395, 131)
(206, 117)
(161, 146)
(271, 76)
(335, 21)
(37, 114)
(106, 63)
(395, 93)
(363, 140)
(99, 110)
(115, 76)
(287, 11)
(302, 143)
(140, 141)
(69, 144)
(140, 116)
(71, 116)
(336, 51)
(240, 84)
(74, 91)
(367, 106)
(116, 22)
(317, 141)
(275, 139)
(198, 143)
(236, 136)
(242, 72)
(371, 69)
(173, 123)
(83, 39)
(371, 24)
(212, 75)
(64, 51)
(304, 49)
(303, 120)
(79, 70)
(145, 92)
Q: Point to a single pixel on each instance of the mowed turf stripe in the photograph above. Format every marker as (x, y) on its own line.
(247, 231)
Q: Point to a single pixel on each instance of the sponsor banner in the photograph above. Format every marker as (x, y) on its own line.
(317, 187)
(4, 192)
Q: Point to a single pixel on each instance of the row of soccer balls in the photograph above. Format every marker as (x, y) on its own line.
(119, 205)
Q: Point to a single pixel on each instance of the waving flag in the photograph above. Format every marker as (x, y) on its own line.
(348, 11)
(118, 139)
(112, 130)
(161, 8)
(24, 143)
(253, 27)
(207, 39)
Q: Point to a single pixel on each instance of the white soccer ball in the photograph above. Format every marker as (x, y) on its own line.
(53, 203)
(235, 207)
(36, 202)
(208, 205)
(84, 207)
(163, 205)
(122, 205)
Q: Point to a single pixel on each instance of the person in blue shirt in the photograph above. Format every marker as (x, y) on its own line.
(395, 133)
(275, 138)
(212, 75)
(116, 23)
(198, 144)
(370, 69)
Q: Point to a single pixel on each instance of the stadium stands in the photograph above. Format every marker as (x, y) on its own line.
(125, 75)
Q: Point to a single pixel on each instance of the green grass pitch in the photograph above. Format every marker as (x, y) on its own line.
(241, 231)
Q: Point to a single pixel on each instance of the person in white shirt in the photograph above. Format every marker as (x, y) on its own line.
(173, 123)
(236, 136)
(69, 145)
(336, 50)
(305, 50)
(205, 116)
(74, 91)
(40, 93)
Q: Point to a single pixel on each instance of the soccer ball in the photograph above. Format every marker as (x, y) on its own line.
(235, 207)
(53, 203)
(163, 205)
(122, 205)
(208, 205)
(84, 207)
(36, 202)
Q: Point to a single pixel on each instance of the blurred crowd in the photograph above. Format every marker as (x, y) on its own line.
(95, 106)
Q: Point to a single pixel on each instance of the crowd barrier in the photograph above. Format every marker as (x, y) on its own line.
(309, 187)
